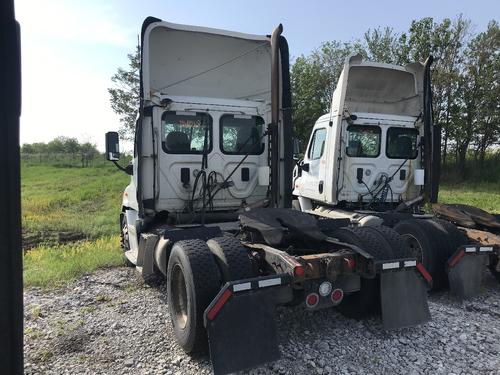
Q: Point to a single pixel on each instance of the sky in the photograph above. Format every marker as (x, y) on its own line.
(71, 48)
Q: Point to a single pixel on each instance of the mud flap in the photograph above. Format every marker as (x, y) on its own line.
(403, 299)
(465, 270)
(240, 324)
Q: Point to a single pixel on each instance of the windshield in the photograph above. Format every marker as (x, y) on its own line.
(402, 143)
(184, 132)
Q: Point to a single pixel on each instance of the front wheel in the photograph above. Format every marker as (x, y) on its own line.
(193, 280)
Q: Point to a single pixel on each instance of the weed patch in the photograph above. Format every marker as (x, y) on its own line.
(52, 266)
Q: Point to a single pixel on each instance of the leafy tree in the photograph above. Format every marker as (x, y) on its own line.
(313, 80)
(481, 94)
(124, 95)
(71, 146)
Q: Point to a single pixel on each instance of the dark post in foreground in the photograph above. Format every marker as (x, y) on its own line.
(11, 286)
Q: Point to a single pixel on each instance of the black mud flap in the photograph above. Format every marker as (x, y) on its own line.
(403, 298)
(240, 323)
(465, 270)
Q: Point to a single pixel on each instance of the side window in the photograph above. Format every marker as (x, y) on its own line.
(317, 145)
(363, 141)
(241, 134)
(402, 143)
(184, 132)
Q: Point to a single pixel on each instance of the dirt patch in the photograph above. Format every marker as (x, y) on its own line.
(32, 239)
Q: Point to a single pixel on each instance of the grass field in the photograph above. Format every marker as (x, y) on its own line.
(70, 218)
(485, 195)
(70, 221)
(70, 203)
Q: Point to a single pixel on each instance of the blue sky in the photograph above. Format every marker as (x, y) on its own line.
(71, 48)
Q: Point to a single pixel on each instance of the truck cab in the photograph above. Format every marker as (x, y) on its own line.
(367, 151)
(210, 105)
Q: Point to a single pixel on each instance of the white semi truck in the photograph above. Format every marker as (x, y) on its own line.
(374, 159)
(209, 201)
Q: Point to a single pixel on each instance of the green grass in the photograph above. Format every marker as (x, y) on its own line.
(485, 195)
(80, 201)
(52, 266)
(62, 206)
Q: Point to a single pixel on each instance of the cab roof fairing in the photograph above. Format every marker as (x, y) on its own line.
(194, 61)
(371, 87)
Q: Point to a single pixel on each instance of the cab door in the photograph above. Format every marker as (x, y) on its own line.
(313, 167)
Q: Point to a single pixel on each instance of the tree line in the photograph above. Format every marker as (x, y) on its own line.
(465, 80)
(60, 149)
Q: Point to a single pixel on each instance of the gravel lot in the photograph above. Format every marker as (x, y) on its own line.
(110, 322)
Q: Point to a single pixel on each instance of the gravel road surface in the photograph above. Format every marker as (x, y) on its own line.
(110, 322)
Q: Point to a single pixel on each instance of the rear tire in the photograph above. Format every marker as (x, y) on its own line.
(366, 301)
(399, 247)
(428, 244)
(456, 238)
(231, 258)
(193, 281)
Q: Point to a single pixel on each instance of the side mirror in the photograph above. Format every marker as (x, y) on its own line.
(112, 146)
(296, 149)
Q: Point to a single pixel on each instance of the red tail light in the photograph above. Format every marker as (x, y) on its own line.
(299, 271)
(350, 263)
(337, 295)
(312, 300)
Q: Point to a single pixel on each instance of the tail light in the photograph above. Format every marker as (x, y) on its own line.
(337, 296)
(350, 263)
(299, 271)
(312, 300)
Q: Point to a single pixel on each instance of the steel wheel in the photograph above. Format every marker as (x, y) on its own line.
(179, 297)
(415, 247)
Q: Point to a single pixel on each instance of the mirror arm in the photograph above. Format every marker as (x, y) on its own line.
(128, 169)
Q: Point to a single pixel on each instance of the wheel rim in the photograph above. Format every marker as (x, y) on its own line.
(415, 247)
(179, 297)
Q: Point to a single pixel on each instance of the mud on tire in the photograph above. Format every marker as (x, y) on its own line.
(193, 280)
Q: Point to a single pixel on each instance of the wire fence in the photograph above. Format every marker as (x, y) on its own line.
(64, 160)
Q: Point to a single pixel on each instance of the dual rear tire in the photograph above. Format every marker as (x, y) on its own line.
(195, 273)
(432, 242)
(382, 243)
